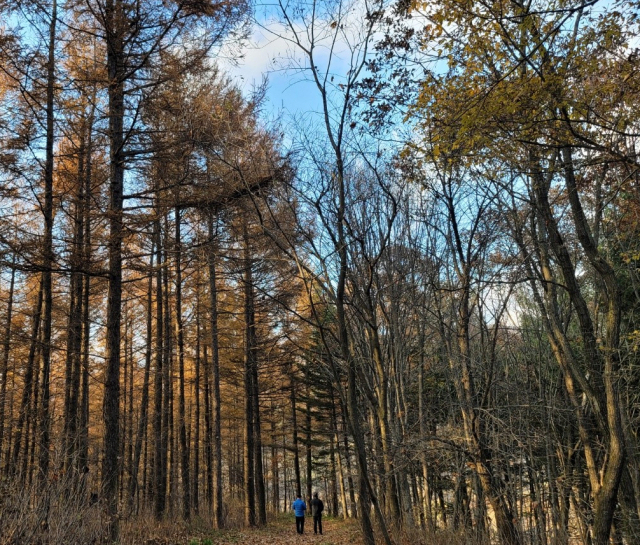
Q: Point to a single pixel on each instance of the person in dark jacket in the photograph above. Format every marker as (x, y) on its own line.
(316, 510)
(299, 507)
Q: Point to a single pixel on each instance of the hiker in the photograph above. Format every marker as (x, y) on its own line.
(316, 510)
(299, 507)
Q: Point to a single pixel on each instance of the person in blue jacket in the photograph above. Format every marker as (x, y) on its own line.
(299, 507)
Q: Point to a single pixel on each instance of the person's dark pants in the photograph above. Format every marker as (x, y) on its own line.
(300, 525)
(317, 524)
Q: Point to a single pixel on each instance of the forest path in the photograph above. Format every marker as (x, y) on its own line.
(283, 532)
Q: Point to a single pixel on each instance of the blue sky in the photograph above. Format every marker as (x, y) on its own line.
(290, 92)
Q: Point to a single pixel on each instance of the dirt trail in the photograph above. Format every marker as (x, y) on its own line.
(283, 532)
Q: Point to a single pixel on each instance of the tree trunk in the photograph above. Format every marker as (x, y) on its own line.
(258, 462)
(275, 473)
(114, 19)
(215, 374)
(340, 471)
(74, 326)
(208, 441)
(196, 386)
(159, 475)
(6, 347)
(294, 431)
(309, 464)
(83, 423)
(184, 449)
(168, 457)
(27, 391)
(249, 364)
(144, 401)
(47, 265)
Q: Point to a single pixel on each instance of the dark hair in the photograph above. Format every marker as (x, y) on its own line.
(315, 494)
(298, 496)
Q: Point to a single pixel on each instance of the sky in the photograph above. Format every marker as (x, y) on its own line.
(269, 53)
(289, 92)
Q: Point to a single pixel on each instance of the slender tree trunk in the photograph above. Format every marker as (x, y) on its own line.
(124, 378)
(47, 288)
(144, 401)
(33, 425)
(159, 475)
(294, 430)
(196, 438)
(208, 441)
(258, 463)
(23, 412)
(426, 493)
(83, 447)
(249, 364)
(129, 440)
(6, 347)
(309, 464)
(275, 473)
(184, 448)
(353, 415)
(10, 434)
(168, 457)
(215, 374)
(334, 481)
(114, 18)
(606, 493)
(336, 434)
(599, 387)
(83, 423)
(347, 458)
(70, 440)
(251, 355)
(391, 490)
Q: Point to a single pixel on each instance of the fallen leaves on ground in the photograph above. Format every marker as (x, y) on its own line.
(335, 532)
(282, 531)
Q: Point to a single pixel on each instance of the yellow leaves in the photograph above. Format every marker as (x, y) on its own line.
(630, 257)
(633, 339)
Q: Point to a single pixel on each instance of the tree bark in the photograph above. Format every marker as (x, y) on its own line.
(294, 432)
(144, 401)
(47, 265)
(249, 387)
(27, 391)
(184, 449)
(215, 374)
(114, 19)
(6, 348)
(159, 475)
(196, 387)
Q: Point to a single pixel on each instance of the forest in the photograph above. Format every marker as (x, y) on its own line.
(415, 289)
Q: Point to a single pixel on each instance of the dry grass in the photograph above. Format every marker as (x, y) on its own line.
(59, 516)
(55, 515)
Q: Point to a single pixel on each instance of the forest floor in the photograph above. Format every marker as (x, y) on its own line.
(281, 531)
